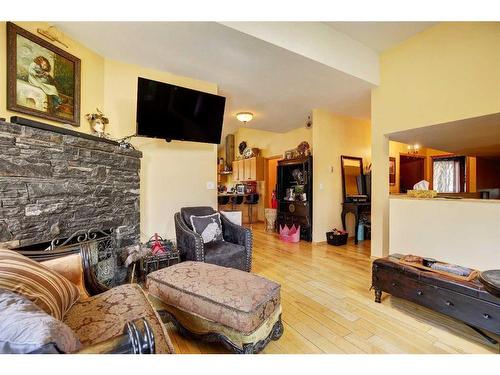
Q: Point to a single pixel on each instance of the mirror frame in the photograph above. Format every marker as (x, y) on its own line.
(345, 157)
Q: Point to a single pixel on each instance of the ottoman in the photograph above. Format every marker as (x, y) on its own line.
(218, 304)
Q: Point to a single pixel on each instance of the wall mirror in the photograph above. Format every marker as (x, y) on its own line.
(352, 177)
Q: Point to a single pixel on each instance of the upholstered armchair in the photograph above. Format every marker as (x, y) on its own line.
(234, 252)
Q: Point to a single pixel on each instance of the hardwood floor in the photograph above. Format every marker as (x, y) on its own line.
(328, 308)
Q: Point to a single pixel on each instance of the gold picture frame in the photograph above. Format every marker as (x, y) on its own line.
(42, 79)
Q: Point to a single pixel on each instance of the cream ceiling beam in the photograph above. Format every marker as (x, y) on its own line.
(318, 42)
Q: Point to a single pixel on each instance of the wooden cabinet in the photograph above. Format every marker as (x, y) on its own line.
(238, 170)
(298, 211)
(251, 169)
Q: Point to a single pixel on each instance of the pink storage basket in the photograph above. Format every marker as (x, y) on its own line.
(290, 234)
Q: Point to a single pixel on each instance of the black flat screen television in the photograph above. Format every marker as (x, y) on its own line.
(172, 112)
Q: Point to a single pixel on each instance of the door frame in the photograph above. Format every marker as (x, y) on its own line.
(416, 156)
(266, 174)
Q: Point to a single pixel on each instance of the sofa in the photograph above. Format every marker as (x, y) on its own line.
(233, 251)
(118, 320)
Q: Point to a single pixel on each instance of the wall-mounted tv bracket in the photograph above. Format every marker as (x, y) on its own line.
(125, 143)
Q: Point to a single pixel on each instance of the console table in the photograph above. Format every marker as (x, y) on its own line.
(356, 208)
(467, 301)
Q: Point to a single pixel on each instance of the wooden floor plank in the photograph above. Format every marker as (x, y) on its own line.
(328, 308)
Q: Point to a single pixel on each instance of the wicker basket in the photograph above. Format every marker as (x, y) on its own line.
(336, 239)
(422, 193)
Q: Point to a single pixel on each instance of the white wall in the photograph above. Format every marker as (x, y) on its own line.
(464, 232)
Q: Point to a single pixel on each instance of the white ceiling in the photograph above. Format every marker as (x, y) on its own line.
(279, 86)
(380, 36)
(478, 136)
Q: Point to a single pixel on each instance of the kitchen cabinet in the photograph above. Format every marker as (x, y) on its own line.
(251, 169)
(245, 211)
(238, 170)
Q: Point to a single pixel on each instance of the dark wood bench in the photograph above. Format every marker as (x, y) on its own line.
(467, 301)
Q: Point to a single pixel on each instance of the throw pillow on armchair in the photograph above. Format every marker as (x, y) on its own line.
(208, 226)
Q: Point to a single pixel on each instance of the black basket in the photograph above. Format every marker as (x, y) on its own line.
(151, 263)
(336, 239)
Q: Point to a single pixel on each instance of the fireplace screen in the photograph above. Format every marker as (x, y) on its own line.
(101, 246)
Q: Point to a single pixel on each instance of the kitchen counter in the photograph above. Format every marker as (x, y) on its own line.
(246, 209)
(234, 194)
(443, 199)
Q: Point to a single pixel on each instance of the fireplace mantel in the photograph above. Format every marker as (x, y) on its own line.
(55, 181)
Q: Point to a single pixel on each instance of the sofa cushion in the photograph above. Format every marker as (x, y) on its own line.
(226, 254)
(208, 226)
(234, 298)
(26, 328)
(187, 212)
(50, 291)
(104, 316)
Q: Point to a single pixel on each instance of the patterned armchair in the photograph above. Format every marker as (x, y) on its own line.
(234, 252)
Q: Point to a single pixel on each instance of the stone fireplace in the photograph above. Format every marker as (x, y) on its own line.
(55, 182)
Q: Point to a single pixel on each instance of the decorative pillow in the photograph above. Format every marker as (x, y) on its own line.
(208, 226)
(50, 291)
(26, 328)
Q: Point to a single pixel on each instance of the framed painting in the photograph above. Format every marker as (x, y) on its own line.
(392, 171)
(42, 79)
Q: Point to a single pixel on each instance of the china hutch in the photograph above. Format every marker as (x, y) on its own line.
(294, 194)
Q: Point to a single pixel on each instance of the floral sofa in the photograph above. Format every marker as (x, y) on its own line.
(99, 321)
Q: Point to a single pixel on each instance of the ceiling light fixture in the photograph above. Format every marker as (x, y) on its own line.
(413, 149)
(244, 117)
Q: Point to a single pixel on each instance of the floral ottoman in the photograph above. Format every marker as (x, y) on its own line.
(218, 304)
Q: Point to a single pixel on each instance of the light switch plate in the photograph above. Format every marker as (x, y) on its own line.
(210, 185)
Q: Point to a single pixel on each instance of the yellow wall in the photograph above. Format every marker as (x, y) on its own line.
(398, 148)
(272, 143)
(92, 74)
(395, 149)
(334, 136)
(172, 174)
(330, 136)
(446, 73)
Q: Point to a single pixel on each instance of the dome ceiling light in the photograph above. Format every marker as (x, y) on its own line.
(244, 117)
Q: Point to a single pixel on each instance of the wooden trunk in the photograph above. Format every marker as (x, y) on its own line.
(467, 301)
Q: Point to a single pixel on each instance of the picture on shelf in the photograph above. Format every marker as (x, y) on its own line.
(392, 171)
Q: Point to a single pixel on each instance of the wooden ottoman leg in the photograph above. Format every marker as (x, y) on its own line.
(378, 295)
(275, 334)
(277, 331)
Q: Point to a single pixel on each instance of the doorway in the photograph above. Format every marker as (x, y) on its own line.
(411, 171)
(271, 178)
